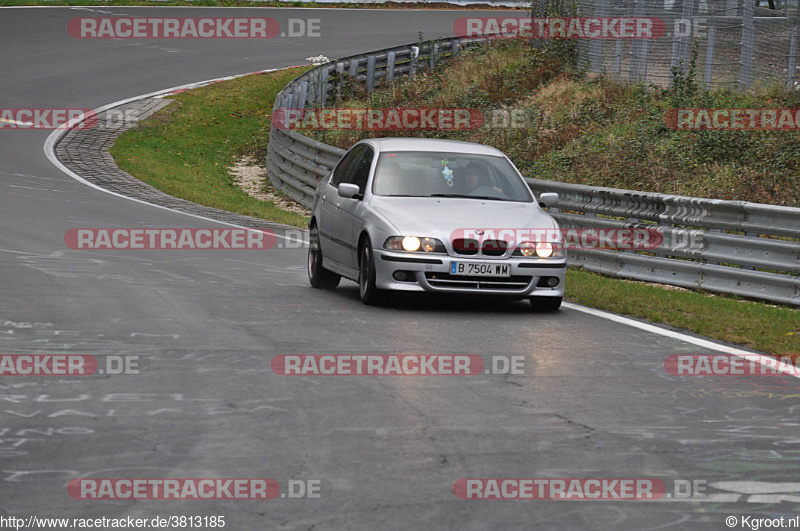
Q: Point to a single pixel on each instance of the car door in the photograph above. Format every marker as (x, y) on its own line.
(351, 210)
(334, 232)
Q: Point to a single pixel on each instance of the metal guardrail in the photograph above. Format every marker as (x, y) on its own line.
(734, 247)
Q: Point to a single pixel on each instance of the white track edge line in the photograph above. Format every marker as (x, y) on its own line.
(704, 343)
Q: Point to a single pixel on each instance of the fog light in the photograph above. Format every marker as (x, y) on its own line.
(547, 282)
(403, 276)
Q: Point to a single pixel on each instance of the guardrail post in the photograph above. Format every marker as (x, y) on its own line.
(434, 55)
(370, 73)
(390, 57)
(302, 92)
(323, 85)
(454, 47)
(414, 62)
(354, 70)
(312, 96)
(339, 79)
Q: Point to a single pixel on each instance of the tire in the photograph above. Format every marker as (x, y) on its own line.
(545, 304)
(366, 275)
(318, 276)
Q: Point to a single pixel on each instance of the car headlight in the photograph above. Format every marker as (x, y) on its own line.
(414, 244)
(539, 249)
(544, 249)
(411, 243)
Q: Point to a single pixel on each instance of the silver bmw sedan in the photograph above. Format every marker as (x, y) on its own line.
(414, 214)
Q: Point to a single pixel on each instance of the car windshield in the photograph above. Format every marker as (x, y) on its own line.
(464, 175)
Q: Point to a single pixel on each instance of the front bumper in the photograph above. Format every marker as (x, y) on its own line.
(431, 272)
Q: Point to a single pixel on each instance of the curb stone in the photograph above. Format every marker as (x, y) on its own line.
(85, 152)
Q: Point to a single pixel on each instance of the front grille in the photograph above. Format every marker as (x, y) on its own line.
(465, 246)
(446, 280)
(494, 248)
(470, 247)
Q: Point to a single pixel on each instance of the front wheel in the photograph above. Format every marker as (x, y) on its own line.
(318, 276)
(366, 275)
(545, 304)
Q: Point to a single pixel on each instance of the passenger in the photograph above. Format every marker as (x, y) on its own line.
(392, 180)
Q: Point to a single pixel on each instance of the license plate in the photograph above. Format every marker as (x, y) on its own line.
(473, 269)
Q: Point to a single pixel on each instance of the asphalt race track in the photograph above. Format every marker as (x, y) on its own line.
(593, 398)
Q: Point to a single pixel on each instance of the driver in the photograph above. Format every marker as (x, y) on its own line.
(473, 178)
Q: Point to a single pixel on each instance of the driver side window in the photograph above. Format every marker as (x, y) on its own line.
(360, 171)
(345, 166)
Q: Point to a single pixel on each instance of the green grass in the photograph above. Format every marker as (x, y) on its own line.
(762, 327)
(186, 149)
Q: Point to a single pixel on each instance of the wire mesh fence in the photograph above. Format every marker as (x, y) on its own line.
(734, 43)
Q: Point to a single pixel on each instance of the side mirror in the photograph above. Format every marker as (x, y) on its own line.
(548, 199)
(348, 190)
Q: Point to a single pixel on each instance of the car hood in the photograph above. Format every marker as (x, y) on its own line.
(439, 217)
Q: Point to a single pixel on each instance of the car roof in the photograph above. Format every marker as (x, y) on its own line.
(431, 145)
